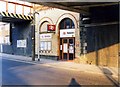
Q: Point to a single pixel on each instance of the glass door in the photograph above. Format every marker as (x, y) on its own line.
(67, 49)
(71, 48)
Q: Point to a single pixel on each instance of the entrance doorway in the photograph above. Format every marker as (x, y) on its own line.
(67, 48)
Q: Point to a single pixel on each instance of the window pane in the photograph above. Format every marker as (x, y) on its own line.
(62, 25)
(67, 24)
(64, 40)
(26, 10)
(71, 41)
(45, 45)
(19, 9)
(49, 45)
(2, 6)
(11, 8)
(42, 45)
(73, 26)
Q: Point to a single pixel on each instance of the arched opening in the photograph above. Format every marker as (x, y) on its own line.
(67, 39)
(43, 27)
(67, 23)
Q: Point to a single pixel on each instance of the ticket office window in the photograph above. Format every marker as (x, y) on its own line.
(45, 46)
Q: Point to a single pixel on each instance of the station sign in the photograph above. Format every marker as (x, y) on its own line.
(51, 27)
(67, 33)
(45, 36)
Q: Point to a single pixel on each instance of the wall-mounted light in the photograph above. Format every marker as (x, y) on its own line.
(13, 25)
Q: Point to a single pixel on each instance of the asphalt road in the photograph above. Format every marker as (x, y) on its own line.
(20, 73)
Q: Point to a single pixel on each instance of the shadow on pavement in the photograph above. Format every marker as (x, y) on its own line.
(74, 83)
(109, 74)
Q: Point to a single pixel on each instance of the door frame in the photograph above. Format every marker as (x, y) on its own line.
(62, 57)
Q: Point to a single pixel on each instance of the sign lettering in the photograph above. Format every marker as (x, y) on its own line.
(67, 33)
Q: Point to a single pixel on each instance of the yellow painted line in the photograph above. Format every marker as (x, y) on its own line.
(15, 15)
(11, 15)
(6, 14)
(19, 16)
(2, 14)
(23, 17)
(30, 17)
(27, 17)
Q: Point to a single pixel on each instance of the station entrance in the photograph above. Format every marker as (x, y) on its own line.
(67, 48)
(67, 39)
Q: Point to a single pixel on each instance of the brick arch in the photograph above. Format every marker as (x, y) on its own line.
(45, 19)
(66, 15)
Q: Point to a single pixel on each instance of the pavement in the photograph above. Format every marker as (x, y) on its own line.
(65, 65)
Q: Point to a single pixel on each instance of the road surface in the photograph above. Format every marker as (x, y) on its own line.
(21, 73)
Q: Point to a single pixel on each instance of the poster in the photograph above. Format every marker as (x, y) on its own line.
(60, 47)
(65, 48)
(21, 43)
(71, 49)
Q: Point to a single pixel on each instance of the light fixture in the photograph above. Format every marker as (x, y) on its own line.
(13, 25)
